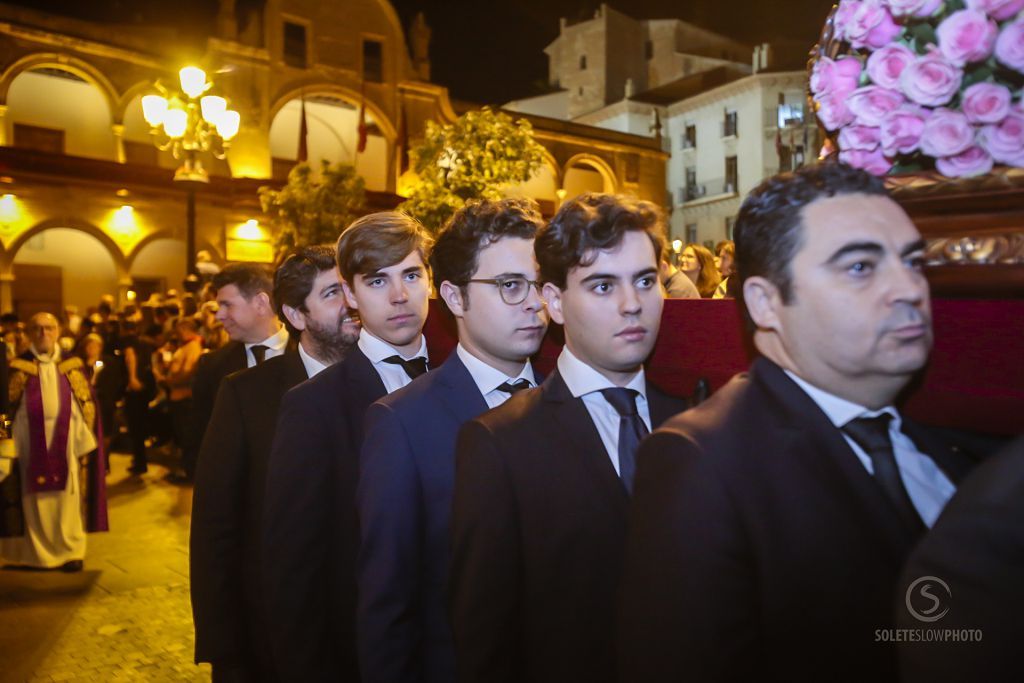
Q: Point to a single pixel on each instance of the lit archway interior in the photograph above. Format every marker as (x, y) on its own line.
(39, 115)
(79, 261)
(542, 186)
(580, 179)
(332, 134)
(162, 260)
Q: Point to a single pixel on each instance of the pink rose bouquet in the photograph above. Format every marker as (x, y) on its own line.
(905, 85)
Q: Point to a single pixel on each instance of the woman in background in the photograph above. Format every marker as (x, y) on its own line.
(699, 265)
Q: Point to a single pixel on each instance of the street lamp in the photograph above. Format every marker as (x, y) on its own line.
(188, 122)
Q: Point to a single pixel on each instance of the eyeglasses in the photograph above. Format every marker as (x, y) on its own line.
(513, 290)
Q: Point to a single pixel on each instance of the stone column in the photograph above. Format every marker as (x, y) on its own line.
(119, 153)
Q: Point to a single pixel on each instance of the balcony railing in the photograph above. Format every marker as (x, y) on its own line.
(708, 189)
(786, 115)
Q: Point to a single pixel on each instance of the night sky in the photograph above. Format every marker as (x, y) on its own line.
(492, 52)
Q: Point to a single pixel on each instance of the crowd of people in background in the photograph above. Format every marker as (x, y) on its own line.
(142, 357)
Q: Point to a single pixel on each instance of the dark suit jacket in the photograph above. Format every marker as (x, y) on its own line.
(977, 548)
(539, 523)
(227, 513)
(404, 505)
(310, 534)
(211, 369)
(760, 547)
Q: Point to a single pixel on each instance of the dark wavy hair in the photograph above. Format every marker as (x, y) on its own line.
(591, 223)
(474, 227)
(769, 227)
(293, 279)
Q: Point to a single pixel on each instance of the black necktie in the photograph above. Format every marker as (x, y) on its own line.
(515, 387)
(259, 352)
(414, 367)
(631, 430)
(872, 435)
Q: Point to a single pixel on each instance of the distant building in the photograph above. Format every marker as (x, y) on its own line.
(87, 201)
(728, 114)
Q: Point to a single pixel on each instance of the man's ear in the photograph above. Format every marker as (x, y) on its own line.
(552, 296)
(263, 301)
(350, 296)
(452, 296)
(295, 317)
(763, 301)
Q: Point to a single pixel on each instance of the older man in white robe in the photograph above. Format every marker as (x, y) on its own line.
(52, 429)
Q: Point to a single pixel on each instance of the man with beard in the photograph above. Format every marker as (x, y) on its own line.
(227, 511)
(770, 523)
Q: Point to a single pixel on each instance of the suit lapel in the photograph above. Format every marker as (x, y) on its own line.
(578, 438)
(363, 377)
(660, 406)
(294, 371)
(237, 360)
(461, 395)
(810, 436)
(955, 467)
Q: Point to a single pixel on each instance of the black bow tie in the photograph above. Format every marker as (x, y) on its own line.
(513, 388)
(414, 367)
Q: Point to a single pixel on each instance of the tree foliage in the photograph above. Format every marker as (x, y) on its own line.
(476, 157)
(314, 208)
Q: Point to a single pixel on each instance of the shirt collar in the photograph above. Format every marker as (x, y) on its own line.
(487, 377)
(376, 350)
(583, 379)
(47, 358)
(276, 341)
(839, 410)
(312, 365)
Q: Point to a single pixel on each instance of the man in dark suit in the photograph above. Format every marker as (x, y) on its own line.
(227, 509)
(484, 269)
(770, 523)
(963, 581)
(245, 307)
(543, 483)
(310, 531)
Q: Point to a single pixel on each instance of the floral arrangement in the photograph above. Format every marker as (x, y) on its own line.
(902, 85)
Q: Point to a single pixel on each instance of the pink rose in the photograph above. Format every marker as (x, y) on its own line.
(901, 130)
(966, 36)
(986, 102)
(971, 162)
(833, 112)
(946, 133)
(835, 76)
(886, 64)
(931, 80)
(1005, 140)
(870, 25)
(859, 137)
(1010, 45)
(871, 103)
(874, 162)
(914, 8)
(997, 9)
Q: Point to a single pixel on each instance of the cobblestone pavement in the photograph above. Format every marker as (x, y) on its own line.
(127, 616)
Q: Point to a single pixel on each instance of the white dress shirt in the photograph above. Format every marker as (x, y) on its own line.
(312, 365)
(585, 382)
(275, 344)
(376, 350)
(488, 378)
(928, 487)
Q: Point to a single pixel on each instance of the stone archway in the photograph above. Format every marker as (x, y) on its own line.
(587, 173)
(60, 262)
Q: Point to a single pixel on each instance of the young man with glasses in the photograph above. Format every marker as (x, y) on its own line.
(485, 271)
(309, 538)
(543, 483)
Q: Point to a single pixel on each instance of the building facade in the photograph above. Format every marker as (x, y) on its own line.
(88, 204)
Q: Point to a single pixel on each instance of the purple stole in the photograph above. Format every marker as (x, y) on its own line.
(47, 467)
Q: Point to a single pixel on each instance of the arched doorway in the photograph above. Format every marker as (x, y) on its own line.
(332, 133)
(60, 266)
(158, 266)
(38, 116)
(587, 173)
